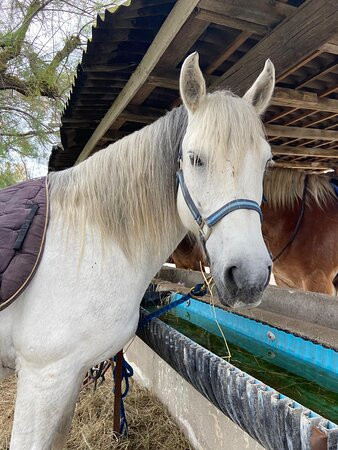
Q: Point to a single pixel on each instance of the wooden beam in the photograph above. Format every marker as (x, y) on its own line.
(100, 91)
(298, 65)
(164, 81)
(322, 144)
(310, 124)
(332, 45)
(169, 79)
(226, 21)
(317, 75)
(260, 12)
(303, 133)
(183, 41)
(81, 119)
(107, 68)
(329, 90)
(294, 40)
(304, 151)
(303, 99)
(289, 111)
(185, 38)
(141, 114)
(293, 98)
(232, 47)
(330, 48)
(171, 26)
(304, 165)
(113, 135)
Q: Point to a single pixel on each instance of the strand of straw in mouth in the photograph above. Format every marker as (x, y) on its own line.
(210, 284)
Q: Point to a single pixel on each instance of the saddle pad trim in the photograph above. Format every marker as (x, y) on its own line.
(22, 287)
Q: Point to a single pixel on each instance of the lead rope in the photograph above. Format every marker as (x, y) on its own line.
(127, 372)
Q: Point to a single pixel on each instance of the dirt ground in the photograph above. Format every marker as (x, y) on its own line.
(150, 426)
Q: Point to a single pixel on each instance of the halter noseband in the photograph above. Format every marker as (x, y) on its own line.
(205, 225)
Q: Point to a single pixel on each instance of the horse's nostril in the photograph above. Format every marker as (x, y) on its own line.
(230, 276)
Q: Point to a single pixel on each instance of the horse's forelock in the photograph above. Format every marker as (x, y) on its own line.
(227, 126)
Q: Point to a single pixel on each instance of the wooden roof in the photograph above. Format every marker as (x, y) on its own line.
(128, 76)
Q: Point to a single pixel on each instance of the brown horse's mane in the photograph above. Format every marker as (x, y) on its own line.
(284, 187)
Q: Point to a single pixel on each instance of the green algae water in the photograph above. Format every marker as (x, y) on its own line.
(270, 367)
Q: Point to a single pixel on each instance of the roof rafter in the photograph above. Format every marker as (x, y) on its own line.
(173, 23)
(294, 41)
(303, 151)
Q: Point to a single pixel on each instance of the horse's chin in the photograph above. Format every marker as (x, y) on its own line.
(246, 298)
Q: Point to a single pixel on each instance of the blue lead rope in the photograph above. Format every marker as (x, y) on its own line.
(198, 291)
(127, 372)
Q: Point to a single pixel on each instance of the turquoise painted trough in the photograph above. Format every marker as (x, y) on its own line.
(264, 357)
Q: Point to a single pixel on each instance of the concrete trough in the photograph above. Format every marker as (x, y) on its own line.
(220, 406)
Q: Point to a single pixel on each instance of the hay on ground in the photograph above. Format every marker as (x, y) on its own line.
(150, 426)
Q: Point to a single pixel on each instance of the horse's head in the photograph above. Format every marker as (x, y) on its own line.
(224, 155)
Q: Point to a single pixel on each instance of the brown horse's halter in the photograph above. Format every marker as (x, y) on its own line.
(298, 224)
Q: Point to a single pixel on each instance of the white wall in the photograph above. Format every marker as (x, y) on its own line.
(204, 425)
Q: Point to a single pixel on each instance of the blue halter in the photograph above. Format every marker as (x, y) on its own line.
(205, 225)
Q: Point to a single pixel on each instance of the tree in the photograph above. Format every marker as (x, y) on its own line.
(40, 46)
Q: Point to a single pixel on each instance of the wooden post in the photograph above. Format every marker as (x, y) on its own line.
(117, 391)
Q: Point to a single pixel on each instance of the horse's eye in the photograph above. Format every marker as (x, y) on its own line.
(270, 163)
(195, 160)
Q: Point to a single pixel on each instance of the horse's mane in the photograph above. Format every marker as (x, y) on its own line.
(128, 190)
(284, 187)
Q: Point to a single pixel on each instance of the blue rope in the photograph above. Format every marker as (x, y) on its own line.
(127, 372)
(199, 291)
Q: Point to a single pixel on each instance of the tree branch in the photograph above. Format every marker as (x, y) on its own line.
(28, 87)
(30, 133)
(12, 42)
(12, 109)
(71, 43)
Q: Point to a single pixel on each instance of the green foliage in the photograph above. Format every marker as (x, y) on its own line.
(11, 174)
(40, 46)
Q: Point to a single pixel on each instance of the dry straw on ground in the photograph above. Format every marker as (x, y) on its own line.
(150, 426)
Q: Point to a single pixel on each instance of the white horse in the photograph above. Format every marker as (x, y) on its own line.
(115, 218)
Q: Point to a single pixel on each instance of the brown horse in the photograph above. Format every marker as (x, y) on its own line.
(300, 224)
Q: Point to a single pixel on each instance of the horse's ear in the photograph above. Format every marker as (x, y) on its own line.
(192, 84)
(261, 91)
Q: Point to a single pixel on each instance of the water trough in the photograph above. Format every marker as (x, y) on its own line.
(288, 348)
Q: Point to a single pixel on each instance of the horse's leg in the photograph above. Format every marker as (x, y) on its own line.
(45, 403)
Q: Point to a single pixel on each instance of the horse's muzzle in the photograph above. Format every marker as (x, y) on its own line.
(242, 285)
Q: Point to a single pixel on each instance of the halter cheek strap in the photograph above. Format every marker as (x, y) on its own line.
(205, 225)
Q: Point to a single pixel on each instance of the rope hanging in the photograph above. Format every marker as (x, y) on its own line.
(127, 372)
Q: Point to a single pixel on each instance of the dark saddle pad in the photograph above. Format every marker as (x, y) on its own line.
(23, 225)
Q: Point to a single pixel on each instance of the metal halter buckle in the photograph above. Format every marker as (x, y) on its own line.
(204, 230)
